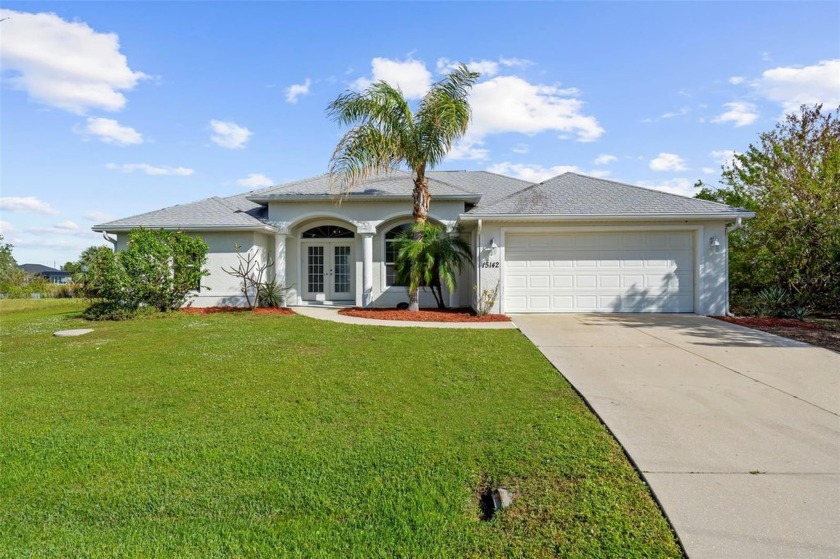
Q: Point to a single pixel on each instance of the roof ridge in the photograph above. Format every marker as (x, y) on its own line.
(156, 211)
(512, 194)
(287, 184)
(501, 175)
(645, 189)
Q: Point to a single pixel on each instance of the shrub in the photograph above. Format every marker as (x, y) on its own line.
(271, 295)
(158, 269)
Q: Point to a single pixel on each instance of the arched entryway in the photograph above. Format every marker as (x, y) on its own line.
(327, 263)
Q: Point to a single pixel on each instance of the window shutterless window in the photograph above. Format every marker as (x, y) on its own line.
(391, 254)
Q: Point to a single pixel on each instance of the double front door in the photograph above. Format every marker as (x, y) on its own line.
(328, 271)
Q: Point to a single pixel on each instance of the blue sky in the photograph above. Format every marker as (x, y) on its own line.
(111, 109)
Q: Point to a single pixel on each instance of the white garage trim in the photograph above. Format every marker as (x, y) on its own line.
(698, 249)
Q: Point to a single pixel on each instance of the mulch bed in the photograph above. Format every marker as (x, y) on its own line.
(813, 333)
(424, 315)
(214, 310)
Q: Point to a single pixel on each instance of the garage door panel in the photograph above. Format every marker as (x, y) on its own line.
(599, 272)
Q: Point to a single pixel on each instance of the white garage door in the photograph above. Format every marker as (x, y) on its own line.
(599, 272)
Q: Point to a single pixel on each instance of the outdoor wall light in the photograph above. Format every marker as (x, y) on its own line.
(493, 246)
(714, 245)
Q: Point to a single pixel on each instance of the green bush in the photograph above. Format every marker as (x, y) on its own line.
(159, 269)
(271, 295)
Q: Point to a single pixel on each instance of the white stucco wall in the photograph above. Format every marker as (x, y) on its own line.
(220, 289)
(710, 276)
(363, 216)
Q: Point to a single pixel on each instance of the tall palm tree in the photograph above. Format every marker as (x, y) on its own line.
(431, 259)
(387, 134)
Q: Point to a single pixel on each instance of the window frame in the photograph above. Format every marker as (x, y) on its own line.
(391, 264)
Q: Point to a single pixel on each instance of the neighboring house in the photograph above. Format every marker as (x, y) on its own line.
(50, 274)
(569, 244)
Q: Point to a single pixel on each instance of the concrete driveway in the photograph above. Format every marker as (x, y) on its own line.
(736, 431)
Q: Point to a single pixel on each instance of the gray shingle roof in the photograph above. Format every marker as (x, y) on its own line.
(492, 187)
(234, 212)
(571, 194)
(398, 184)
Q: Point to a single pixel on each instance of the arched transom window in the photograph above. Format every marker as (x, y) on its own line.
(328, 232)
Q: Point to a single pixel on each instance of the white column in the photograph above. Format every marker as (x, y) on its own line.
(367, 269)
(280, 259)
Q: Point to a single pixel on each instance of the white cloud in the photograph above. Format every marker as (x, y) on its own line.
(255, 180)
(605, 159)
(410, 76)
(487, 68)
(26, 204)
(111, 132)
(538, 173)
(150, 169)
(65, 64)
(517, 62)
(740, 112)
(667, 162)
(708, 170)
(736, 80)
(97, 217)
(724, 157)
(229, 134)
(511, 104)
(297, 90)
(792, 86)
(67, 226)
(6, 227)
(469, 151)
(520, 149)
(681, 186)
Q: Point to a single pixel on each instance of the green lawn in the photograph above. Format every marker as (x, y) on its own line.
(256, 436)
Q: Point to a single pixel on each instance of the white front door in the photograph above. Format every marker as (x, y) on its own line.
(328, 271)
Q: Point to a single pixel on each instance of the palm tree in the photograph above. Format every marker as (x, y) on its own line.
(427, 256)
(387, 134)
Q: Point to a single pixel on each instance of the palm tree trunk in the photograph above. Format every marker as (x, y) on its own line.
(421, 198)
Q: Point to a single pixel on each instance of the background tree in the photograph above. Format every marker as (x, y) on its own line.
(427, 256)
(791, 179)
(14, 282)
(387, 134)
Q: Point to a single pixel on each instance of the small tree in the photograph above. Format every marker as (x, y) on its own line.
(386, 134)
(427, 256)
(250, 271)
(158, 269)
(791, 179)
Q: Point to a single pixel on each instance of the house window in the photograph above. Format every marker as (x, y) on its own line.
(391, 254)
(328, 232)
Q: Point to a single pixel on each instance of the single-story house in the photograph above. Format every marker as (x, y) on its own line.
(52, 275)
(572, 243)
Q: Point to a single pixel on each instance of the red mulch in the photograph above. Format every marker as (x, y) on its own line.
(770, 322)
(214, 310)
(822, 334)
(424, 315)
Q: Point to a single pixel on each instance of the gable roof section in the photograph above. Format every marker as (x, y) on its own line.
(395, 185)
(492, 187)
(233, 212)
(577, 196)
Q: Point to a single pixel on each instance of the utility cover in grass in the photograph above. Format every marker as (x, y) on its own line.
(70, 333)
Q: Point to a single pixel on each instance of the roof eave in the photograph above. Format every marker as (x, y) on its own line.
(605, 217)
(357, 198)
(105, 228)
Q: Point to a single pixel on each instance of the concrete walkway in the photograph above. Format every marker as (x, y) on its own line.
(736, 431)
(331, 313)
